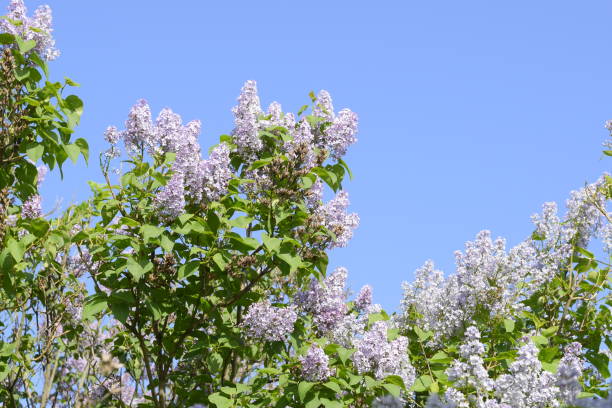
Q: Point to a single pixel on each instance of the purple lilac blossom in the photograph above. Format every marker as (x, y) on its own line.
(341, 134)
(326, 300)
(171, 199)
(315, 365)
(32, 207)
(569, 372)
(246, 132)
(37, 28)
(139, 128)
(267, 322)
(364, 298)
(314, 195)
(324, 107)
(334, 217)
(196, 178)
(606, 238)
(215, 173)
(302, 136)
(376, 354)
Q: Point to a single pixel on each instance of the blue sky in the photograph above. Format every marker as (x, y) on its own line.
(472, 114)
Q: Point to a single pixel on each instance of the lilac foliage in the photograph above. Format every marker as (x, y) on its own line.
(37, 28)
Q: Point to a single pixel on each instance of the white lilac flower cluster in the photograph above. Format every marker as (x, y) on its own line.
(315, 365)
(193, 178)
(488, 276)
(376, 354)
(37, 28)
(526, 385)
(267, 322)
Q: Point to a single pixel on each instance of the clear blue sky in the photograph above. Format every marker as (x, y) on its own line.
(472, 113)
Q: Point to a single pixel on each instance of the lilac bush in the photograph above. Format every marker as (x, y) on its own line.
(201, 280)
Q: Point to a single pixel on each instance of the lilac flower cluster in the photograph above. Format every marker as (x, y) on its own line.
(326, 300)
(37, 28)
(335, 134)
(582, 221)
(246, 113)
(315, 365)
(193, 177)
(376, 354)
(32, 207)
(364, 298)
(526, 385)
(267, 322)
(334, 217)
(487, 276)
(171, 200)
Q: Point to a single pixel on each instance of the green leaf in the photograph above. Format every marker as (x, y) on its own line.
(6, 38)
(260, 163)
(303, 388)
(120, 311)
(601, 362)
(188, 269)
(344, 354)
(84, 146)
(36, 152)
(74, 107)
(215, 362)
(95, 304)
(509, 325)
(331, 404)
(608, 152)
(293, 261)
(393, 389)
(271, 243)
(136, 269)
(38, 227)
(240, 222)
(421, 334)
(395, 379)
(422, 383)
(333, 386)
(17, 249)
(154, 308)
(150, 231)
(313, 403)
(24, 45)
(167, 244)
(539, 340)
(220, 401)
(72, 151)
(550, 331)
(220, 261)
